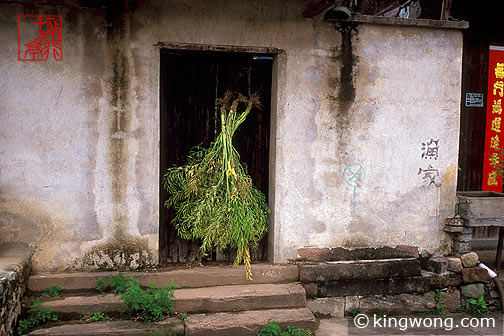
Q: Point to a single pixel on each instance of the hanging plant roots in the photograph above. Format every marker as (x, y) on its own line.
(213, 197)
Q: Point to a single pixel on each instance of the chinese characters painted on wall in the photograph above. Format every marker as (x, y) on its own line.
(430, 174)
(39, 38)
(430, 149)
(493, 131)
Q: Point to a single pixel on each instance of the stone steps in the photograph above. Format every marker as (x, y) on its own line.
(183, 278)
(240, 297)
(218, 301)
(247, 323)
(74, 307)
(191, 300)
(360, 270)
(229, 310)
(169, 327)
(363, 277)
(419, 284)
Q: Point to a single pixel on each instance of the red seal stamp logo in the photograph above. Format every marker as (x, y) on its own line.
(39, 37)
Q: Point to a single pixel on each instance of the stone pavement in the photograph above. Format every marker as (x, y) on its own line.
(340, 327)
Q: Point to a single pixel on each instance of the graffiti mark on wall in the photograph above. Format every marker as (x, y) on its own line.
(354, 175)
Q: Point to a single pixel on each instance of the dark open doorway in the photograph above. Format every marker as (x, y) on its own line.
(190, 83)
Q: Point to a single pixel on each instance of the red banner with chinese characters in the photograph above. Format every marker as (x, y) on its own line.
(493, 131)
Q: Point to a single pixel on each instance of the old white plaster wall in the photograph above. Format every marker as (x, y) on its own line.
(407, 91)
(76, 179)
(79, 159)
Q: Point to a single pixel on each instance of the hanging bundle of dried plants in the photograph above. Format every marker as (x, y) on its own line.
(212, 195)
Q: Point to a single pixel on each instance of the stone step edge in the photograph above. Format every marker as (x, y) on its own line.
(417, 284)
(247, 323)
(184, 278)
(240, 323)
(191, 300)
(364, 261)
(360, 270)
(171, 325)
(341, 253)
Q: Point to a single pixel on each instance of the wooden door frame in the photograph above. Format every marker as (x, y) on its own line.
(278, 80)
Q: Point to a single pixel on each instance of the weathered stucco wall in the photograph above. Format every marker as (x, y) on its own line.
(77, 179)
(79, 160)
(388, 91)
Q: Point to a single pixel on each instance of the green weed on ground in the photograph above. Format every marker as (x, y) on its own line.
(439, 308)
(476, 307)
(273, 329)
(151, 304)
(51, 291)
(101, 285)
(354, 312)
(95, 317)
(36, 316)
(118, 283)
